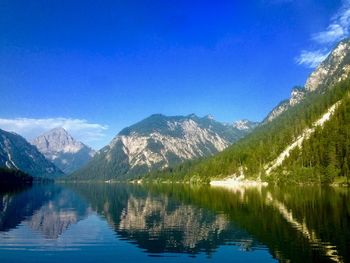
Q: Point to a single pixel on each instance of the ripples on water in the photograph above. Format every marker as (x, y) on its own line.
(132, 223)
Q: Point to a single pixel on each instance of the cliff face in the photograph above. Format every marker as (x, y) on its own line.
(161, 141)
(16, 153)
(335, 68)
(63, 150)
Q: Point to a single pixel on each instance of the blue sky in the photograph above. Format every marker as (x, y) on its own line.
(95, 67)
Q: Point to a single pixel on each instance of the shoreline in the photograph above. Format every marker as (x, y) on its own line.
(234, 182)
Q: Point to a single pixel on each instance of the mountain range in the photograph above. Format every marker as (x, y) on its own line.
(161, 141)
(305, 138)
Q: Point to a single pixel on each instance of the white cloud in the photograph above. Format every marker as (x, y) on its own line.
(338, 29)
(312, 59)
(333, 33)
(81, 129)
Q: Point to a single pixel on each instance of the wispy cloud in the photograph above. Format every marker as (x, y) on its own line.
(334, 33)
(79, 128)
(338, 29)
(312, 58)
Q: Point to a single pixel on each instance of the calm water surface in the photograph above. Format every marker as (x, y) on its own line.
(163, 223)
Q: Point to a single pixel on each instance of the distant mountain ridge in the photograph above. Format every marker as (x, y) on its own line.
(305, 139)
(17, 153)
(335, 68)
(161, 141)
(58, 146)
(245, 124)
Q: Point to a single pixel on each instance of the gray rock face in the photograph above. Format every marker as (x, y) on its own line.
(63, 150)
(296, 96)
(245, 125)
(335, 68)
(160, 141)
(17, 153)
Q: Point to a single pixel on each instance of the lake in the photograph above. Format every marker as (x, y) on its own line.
(174, 223)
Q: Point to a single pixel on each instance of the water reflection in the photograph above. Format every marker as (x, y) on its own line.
(49, 209)
(295, 224)
(58, 214)
(158, 223)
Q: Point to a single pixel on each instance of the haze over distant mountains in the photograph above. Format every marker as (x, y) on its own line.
(58, 146)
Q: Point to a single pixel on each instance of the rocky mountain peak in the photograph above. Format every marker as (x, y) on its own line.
(209, 117)
(296, 96)
(57, 140)
(59, 130)
(63, 150)
(161, 141)
(335, 68)
(244, 124)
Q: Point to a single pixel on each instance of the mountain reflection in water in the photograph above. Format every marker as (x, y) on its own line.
(116, 221)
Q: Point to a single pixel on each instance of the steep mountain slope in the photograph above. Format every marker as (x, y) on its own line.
(158, 142)
(308, 142)
(324, 153)
(279, 151)
(17, 153)
(296, 96)
(335, 68)
(63, 150)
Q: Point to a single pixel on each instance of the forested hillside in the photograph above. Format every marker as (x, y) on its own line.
(11, 176)
(325, 155)
(321, 158)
